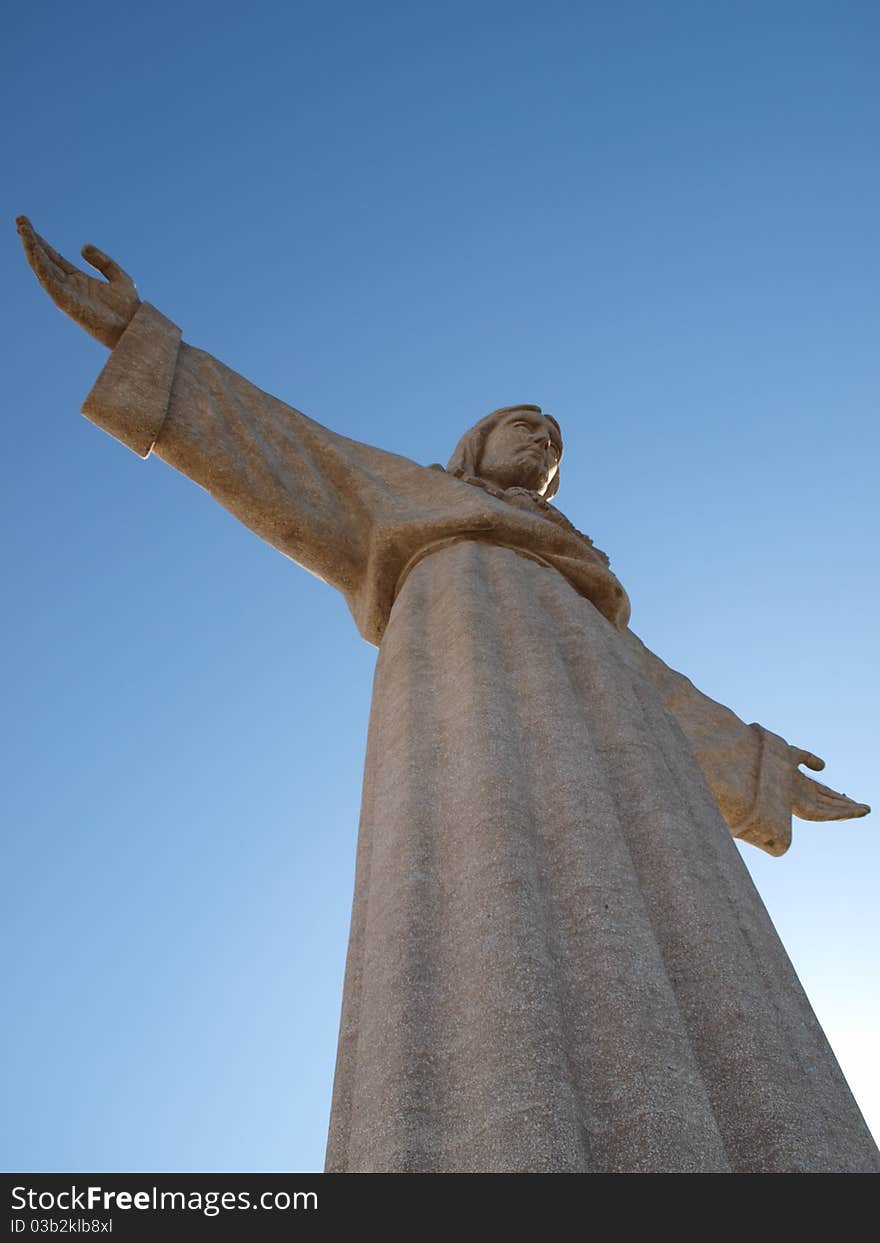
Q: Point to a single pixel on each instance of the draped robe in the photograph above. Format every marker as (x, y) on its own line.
(557, 960)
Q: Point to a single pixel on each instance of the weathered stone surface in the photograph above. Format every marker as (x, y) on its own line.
(558, 961)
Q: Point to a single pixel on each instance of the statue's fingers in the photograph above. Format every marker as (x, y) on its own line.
(809, 760)
(820, 791)
(824, 797)
(50, 276)
(58, 259)
(845, 809)
(23, 224)
(29, 238)
(838, 806)
(109, 267)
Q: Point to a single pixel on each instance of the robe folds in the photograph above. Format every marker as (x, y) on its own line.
(558, 961)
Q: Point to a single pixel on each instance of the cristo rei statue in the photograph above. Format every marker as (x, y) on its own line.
(558, 961)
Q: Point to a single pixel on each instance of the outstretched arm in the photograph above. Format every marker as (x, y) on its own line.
(314, 495)
(754, 774)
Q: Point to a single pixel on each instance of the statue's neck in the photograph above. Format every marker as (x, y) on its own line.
(523, 498)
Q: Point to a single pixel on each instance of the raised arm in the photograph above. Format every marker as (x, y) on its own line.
(314, 495)
(754, 774)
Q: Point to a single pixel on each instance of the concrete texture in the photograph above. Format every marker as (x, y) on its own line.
(558, 961)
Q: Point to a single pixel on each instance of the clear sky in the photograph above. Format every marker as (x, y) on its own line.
(659, 221)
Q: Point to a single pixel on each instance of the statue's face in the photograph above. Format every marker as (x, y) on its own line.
(521, 451)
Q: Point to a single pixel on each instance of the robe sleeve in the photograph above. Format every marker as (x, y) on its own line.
(749, 770)
(314, 495)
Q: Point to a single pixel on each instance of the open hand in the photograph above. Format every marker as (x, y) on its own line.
(103, 308)
(813, 801)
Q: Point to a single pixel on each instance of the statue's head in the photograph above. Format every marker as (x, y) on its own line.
(514, 447)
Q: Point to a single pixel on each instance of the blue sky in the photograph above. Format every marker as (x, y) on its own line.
(659, 221)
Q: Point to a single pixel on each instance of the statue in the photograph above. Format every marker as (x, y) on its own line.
(558, 961)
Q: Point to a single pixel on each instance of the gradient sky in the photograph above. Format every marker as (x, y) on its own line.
(657, 220)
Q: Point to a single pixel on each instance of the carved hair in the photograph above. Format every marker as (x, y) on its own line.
(468, 454)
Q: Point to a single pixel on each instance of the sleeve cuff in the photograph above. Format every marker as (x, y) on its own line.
(767, 824)
(130, 397)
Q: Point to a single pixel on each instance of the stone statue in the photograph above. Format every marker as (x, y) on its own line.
(558, 961)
